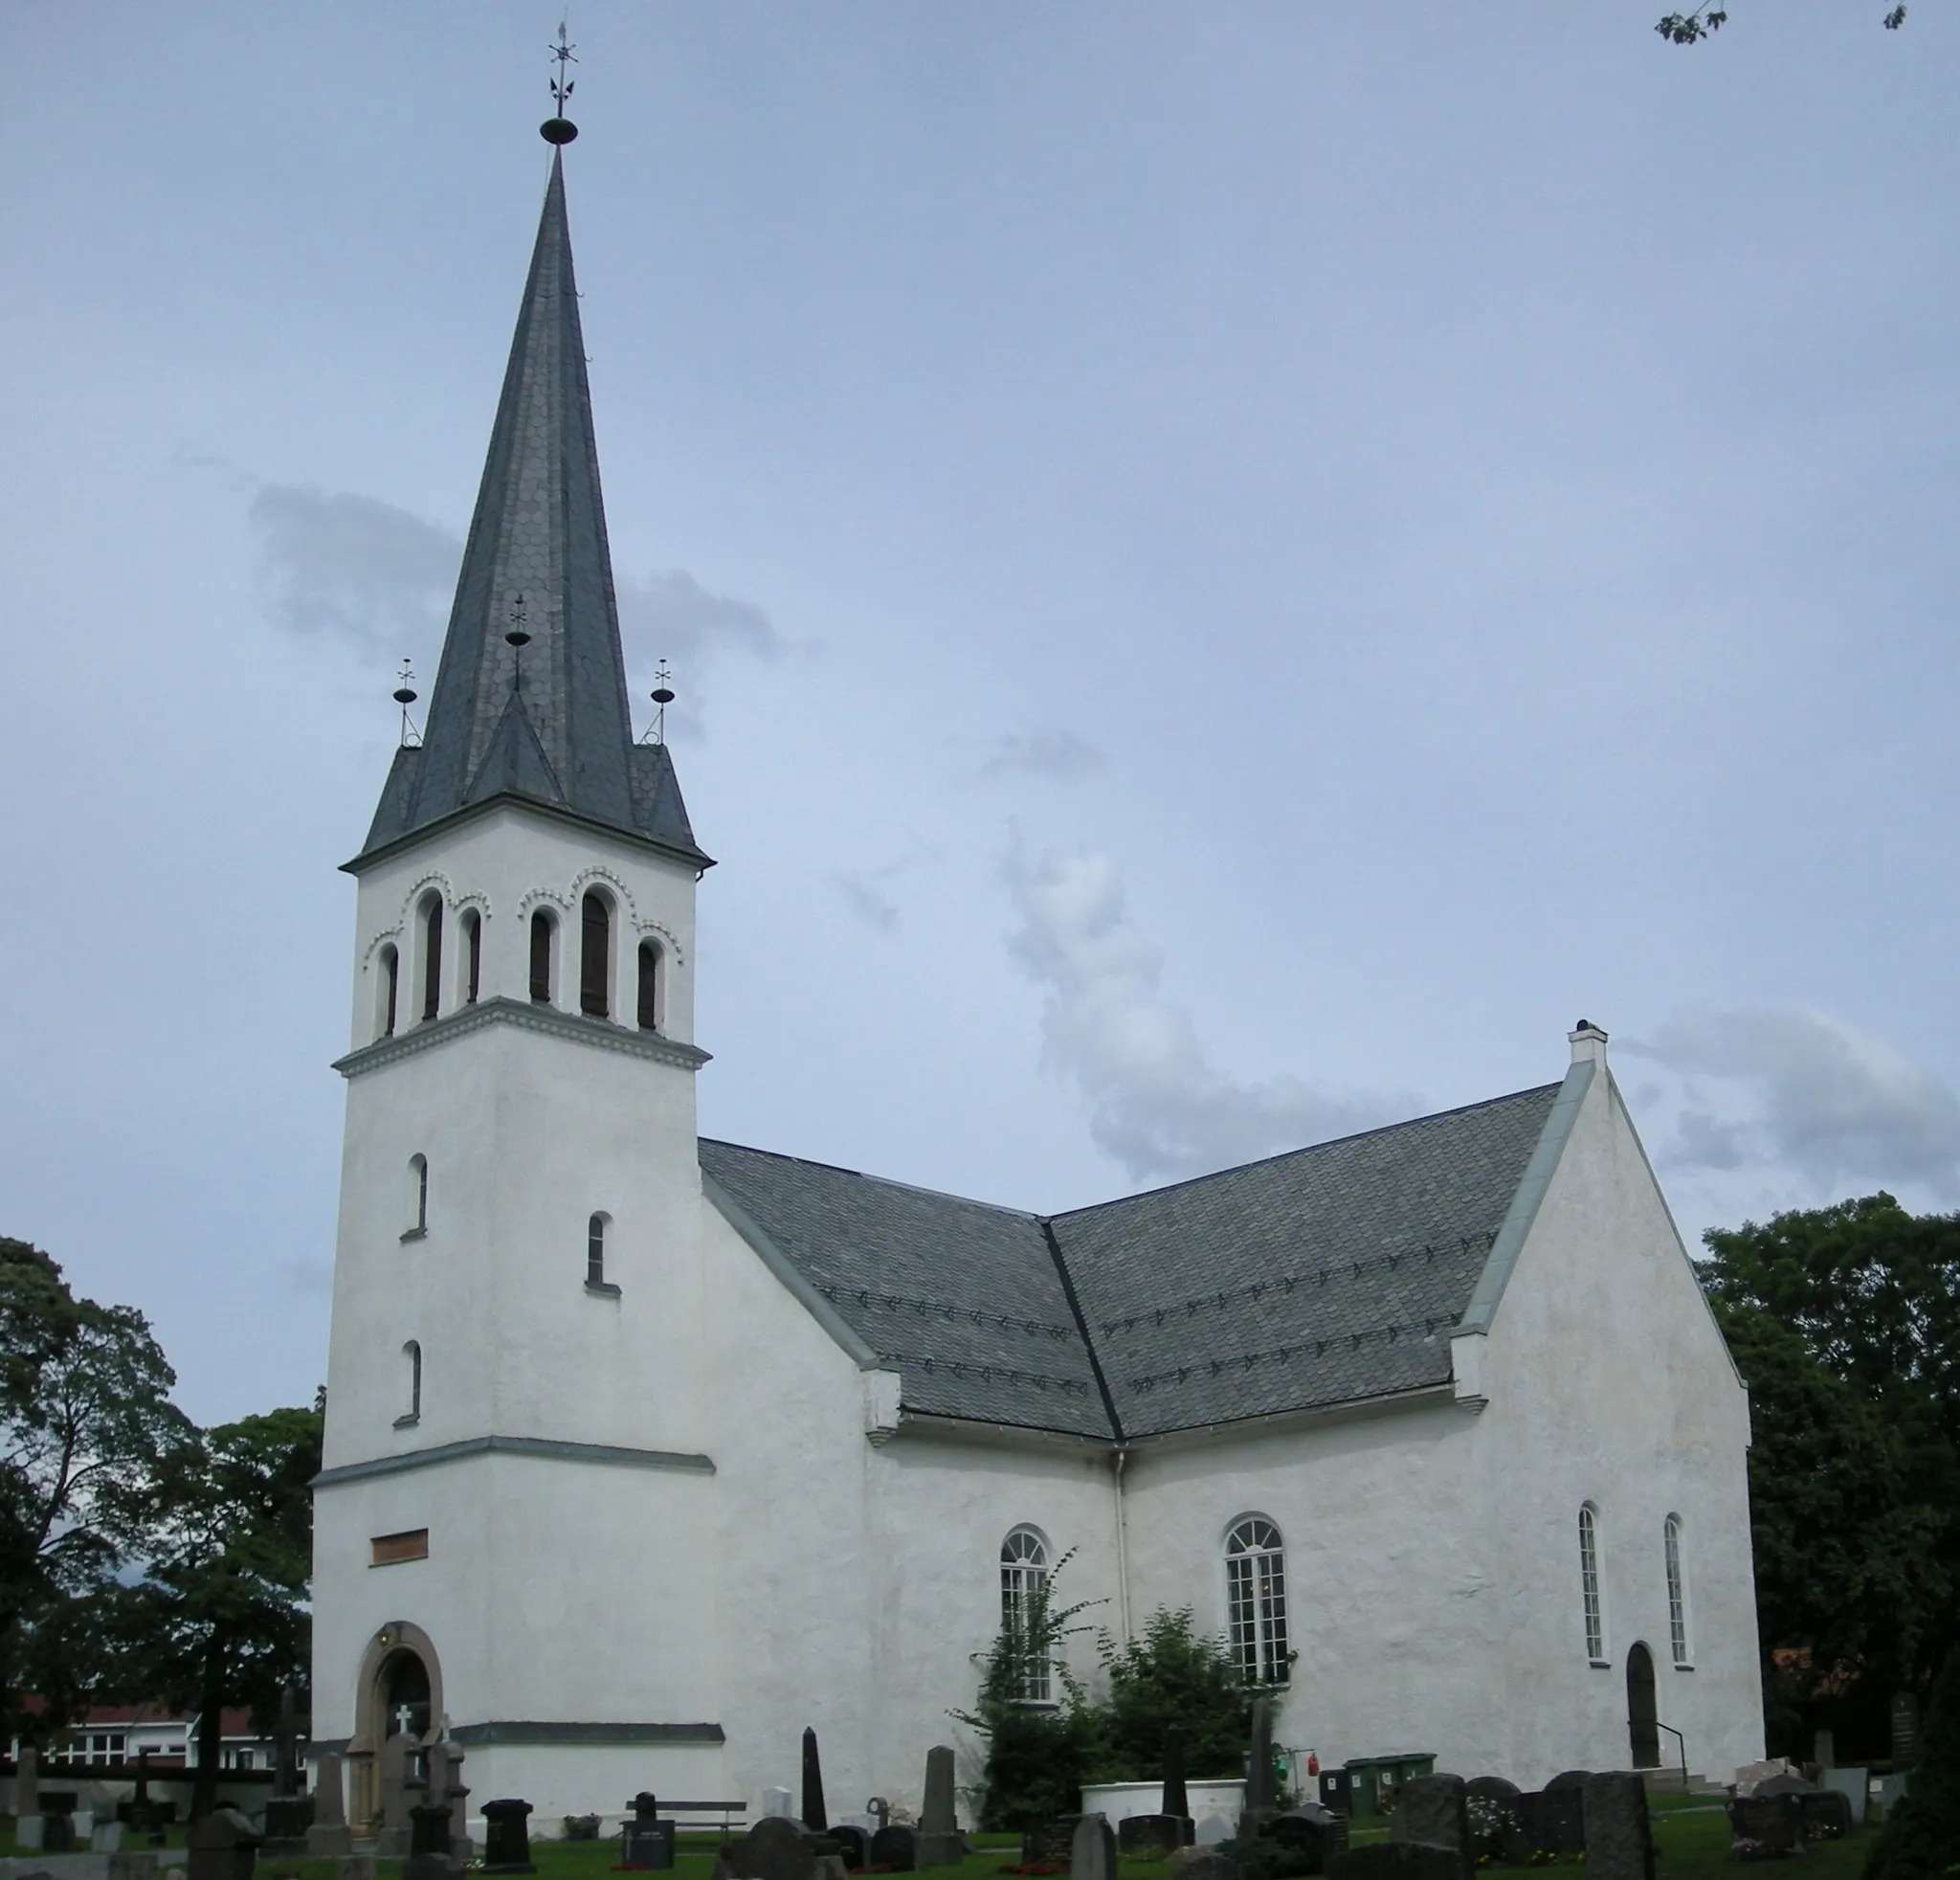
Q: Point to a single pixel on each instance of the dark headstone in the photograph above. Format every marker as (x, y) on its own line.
(1046, 1844)
(647, 1841)
(895, 1845)
(223, 1846)
(1337, 1790)
(1548, 1821)
(1904, 1729)
(1397, 1860)
(1619, 1839)
(1259, 1771)
(1765, 1826)
(941, 1843)
(1150, 1837)
(1092, 1853)
(1311, 1832)
(774, 1848)
(814, 1817)
(57, 1833)
(285, 1736)
(1430, 1812)
(1176, 1800)
(1569, 1778)
(1495, 1787)
(853, 1845)
(508, 1837)
(1492, 1805)
(287, 1818)
(428, 1841)
(1827, 1815)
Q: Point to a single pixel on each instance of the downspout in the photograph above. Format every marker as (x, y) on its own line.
(1122, 1548)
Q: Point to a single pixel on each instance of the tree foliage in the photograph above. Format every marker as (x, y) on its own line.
(87, 1437)
(220, 1619)
(1170, 1672)
(1704, 22)
(1845, 1321)
(1920, 1839)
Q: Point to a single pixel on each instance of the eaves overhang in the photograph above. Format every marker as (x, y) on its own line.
(696, 858)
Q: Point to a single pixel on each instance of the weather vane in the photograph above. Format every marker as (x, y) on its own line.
(517, 639)
(662, 696)
(558, 129)
(405, 697)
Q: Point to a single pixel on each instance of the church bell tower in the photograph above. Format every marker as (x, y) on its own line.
(506, 1431)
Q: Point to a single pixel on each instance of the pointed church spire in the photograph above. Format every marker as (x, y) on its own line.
(530, 698)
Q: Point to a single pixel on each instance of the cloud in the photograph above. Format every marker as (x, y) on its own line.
(1049, 750)
(1803, 1093)
(863, 891)
(341, 566)
(1156, 1102)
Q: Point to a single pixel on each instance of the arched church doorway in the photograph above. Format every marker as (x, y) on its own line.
(398, 1691)
(1643, 1714)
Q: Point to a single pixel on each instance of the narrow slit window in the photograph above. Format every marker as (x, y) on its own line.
(432, 957)
(541, 958)
(390, 987)
(418, 1174)
(649, 985)
(412, 1352)
(1256, 1600)
(1589, 1585)
(594, 955)
(595, 1250)
(473, 955)
(1677, 1593)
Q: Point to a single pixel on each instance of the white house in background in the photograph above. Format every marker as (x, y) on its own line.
(643, 1451)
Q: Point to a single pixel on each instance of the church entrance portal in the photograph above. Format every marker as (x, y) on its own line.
(398, 1690)
(1643, 1715)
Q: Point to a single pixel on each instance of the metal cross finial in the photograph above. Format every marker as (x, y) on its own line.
(562, 85)
(517, 639)
(405, 697)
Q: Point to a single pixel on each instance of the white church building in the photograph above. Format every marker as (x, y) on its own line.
(644, 1451)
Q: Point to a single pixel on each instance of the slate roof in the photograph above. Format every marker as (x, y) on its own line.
(1325, 1276)
(537, 549)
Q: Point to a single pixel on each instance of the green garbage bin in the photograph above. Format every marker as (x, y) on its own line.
(1376, 1777)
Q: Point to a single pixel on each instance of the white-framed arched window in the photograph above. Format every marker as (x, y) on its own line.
(1591, 1604)
(1023, 1577)
(1677, 1595)
(1256, 1599)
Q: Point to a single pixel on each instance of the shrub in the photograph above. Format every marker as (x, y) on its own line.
(1921, 1833)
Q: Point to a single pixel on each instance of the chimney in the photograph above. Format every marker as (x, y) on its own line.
(1589, 1042)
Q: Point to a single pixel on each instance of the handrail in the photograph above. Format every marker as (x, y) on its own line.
(1679, 1738)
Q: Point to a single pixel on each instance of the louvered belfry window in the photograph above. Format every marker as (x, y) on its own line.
(473, 944)
(1256, 1599)
(541, 958)
(596, 954)
(649, 985)
(431, 958)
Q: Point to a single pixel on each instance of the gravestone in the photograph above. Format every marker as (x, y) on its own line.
(223, 1846)
(445, 1763)
(1259, 1772)
(1047, 1844)
(508, 1837)
(1430, 1812)
(1176, 1800)
(1150, 1837)
(27, 1801)
(774, 1848)
(940, 1841)
(1855, 1786)
(881, 1812)
(141, 1812)
(1492, 1803)
(1824, 1749)
(853, 1845)
(1904, 1729)
(1311, 1831)
(285, 1736)
(1397, 1860)
(395, 1769)
(428, 1841)
(896, 1846)
(776, 1804)
(1765, 1826)
(816, 1818)
(328, 1833)
(646, 1841)
(1619, 1839)
(1092, 1851)
(1826, 1814)
(1548, 1821)
(287, 1818)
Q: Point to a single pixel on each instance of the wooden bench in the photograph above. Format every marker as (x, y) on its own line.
(728, 1811)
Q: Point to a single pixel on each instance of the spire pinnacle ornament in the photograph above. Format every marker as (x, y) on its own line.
(558, 129)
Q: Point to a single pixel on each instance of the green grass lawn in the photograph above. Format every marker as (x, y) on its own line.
(1691, 1835)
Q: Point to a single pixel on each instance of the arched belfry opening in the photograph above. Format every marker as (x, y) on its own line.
(399, 1693)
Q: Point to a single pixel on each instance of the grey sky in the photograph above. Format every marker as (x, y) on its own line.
(1232, 568)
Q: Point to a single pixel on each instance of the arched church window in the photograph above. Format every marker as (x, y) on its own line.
(594, 954)
(391, 986)
(1676, 1593)
(473, 957)
(649, 985)
(412, 1352)
(418, 1183)
(541, 957)
(1256, 1599)
(1023, 1585)
(432, 957)
(1594, 1609)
